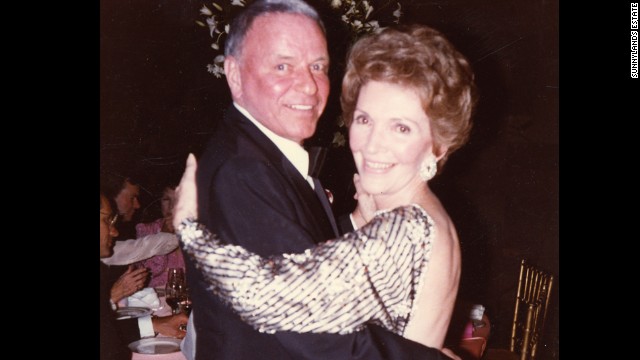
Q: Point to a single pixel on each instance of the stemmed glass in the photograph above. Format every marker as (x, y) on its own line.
(175, 289)
(185, 301)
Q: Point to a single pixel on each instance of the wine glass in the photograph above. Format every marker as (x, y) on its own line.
(185, 301)
(175, 289)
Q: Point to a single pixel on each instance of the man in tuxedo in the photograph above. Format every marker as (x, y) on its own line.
(253, 185)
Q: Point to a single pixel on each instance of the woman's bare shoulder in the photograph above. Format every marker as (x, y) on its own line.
(445, 236)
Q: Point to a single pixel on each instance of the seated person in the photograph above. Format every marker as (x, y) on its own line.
(159, 265)
(128, 248)
(116, 334)
(124, 192)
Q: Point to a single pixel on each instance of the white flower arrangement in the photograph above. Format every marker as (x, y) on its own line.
(357, 14)
(217, 21)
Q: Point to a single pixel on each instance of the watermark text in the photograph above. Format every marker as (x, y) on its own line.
(634, 40)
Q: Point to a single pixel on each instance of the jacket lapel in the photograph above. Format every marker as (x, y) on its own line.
(312, 209)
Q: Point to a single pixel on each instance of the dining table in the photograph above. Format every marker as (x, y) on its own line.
(162, 310)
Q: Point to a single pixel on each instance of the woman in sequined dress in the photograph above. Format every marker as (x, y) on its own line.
(407, 98)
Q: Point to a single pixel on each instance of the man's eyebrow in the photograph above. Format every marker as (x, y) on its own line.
(322, 58)
(289, 57)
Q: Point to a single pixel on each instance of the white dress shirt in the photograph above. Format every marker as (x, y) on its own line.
(293, 151)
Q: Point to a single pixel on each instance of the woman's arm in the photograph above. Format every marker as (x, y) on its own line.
(369, 275)
(335, 287)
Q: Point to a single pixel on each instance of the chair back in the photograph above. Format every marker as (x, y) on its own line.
(532, 301)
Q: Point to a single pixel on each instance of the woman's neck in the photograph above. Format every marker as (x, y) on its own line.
(414, 194)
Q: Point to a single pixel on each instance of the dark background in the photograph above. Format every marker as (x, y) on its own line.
(157, 103)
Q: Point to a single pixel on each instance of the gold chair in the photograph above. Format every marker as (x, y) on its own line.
(532, 301)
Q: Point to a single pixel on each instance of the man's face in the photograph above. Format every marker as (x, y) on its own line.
(127, 201)
(107, 230)
(280, 76)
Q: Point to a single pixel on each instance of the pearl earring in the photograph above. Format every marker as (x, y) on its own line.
(428, 168)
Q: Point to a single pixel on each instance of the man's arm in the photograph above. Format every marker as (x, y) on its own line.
(372, 343)
(129, 251)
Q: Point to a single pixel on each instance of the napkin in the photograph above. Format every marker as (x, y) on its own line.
(146, 297)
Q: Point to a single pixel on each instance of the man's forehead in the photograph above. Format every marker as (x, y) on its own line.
(133, 189)
(279, 19)
(277, 38)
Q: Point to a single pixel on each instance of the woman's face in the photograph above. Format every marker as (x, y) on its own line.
(389, 137)
(167, 201)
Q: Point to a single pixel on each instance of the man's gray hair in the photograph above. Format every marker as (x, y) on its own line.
(242, 23)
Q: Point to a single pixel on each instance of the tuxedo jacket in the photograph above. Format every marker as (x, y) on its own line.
(250, 194)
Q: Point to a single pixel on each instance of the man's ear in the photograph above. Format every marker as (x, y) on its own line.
(232, 72)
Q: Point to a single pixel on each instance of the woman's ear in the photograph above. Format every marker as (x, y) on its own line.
(234, 80)
(440, 152)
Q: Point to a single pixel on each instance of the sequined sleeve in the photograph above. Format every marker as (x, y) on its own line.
(370, 275)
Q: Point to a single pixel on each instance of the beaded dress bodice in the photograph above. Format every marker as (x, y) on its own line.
(371, 275)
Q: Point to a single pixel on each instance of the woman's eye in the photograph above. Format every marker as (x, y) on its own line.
(403, 129)
(281, 67)
(361, 119)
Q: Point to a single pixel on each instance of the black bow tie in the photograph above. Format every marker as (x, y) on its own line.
(317, 155)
